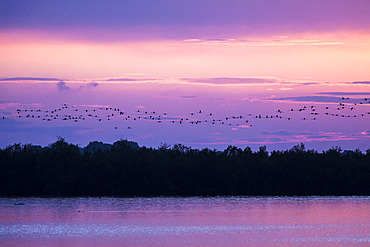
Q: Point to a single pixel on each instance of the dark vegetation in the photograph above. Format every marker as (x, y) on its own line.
(125, 169)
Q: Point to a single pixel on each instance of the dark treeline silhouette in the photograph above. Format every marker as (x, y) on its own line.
(125, 169)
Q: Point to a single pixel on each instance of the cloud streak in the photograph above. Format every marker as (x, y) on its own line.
(308, 136)
(188, 97)
(317, 99)
(14, 79)
(345, 93)
(361, 82)
(129, 80)
(230, 80)
(62, 86)
(280, 41)
(286, 133)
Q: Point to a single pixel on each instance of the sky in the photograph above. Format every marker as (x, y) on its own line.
(198, 60)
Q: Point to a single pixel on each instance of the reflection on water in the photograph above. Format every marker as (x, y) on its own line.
(220, 221)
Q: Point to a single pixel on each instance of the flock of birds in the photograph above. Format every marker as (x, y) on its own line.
(101, 114)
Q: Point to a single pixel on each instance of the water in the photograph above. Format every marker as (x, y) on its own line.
(217, 221)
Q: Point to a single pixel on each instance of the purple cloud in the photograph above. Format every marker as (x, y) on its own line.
(229, 80)
(29, 79)
(121, 79)
(307, 136)
(89, 85)
(188, 97)
(129, 79)
(322, 99)
(285, 133)
(92, 84)
(191, 18)
(326, 99)
(62, 86)
(345, 93)
(361, 82)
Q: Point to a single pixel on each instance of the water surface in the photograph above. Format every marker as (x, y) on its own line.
(216, 221)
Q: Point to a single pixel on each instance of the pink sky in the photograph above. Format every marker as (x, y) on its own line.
(312, 57)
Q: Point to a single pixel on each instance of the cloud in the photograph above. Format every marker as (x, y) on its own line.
(285, 133)
(244, 126)
(29, 79)
(325, 99)
(92, 84)
(361, 82)
(129, 79)
(319, 99)
(188, 97)
(7, 104)
(307, 136)
(230, 80)
(89, 85)
(366, 132)
(258, 140)
(345, 93)
(62, 86)
(322, 99)
(310, 83)
(14, 126)
(173, 97)
(281, 132)
(96, 106)
(284, 136)
(122, 79)
(281, 41)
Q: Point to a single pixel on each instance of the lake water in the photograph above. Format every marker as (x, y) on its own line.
(215, 221)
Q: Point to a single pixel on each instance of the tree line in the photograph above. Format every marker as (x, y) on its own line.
(125, 169)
